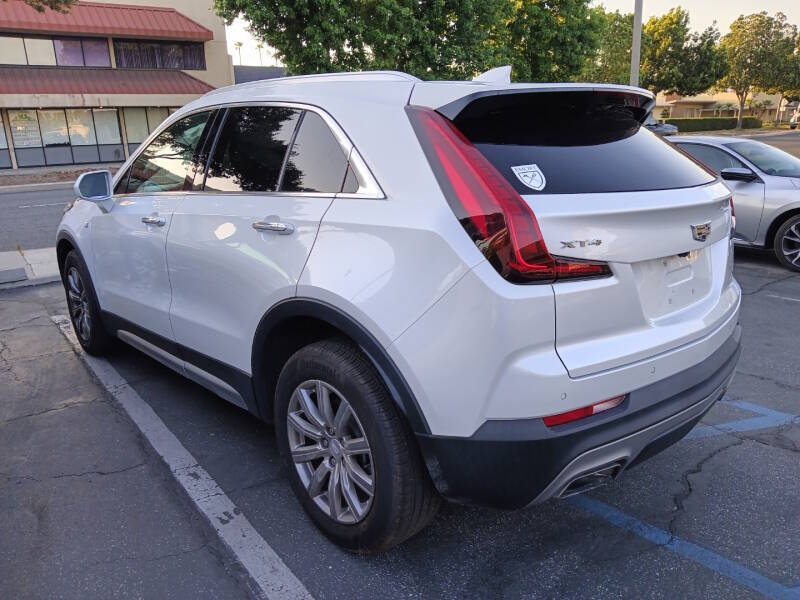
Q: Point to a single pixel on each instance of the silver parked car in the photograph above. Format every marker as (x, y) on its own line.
(766, 190)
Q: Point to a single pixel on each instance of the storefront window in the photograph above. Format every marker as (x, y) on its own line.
(40, 51)
(24, 129)
(68, 52)
(134, 54)
(5, 156)
(109, 139)
(95, 53)
(155, 116)
(55, 136)
(82, 135)
(12, 51)
(26, 138)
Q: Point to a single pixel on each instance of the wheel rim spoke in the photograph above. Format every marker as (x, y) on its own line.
(330, 451)
(306, 428)
(309, 408)
(357, 475)
(308, 453)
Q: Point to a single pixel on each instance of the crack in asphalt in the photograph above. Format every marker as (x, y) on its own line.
(53, 409)
(10, 477)
(777, 382)
(767, 284)
(681, 497)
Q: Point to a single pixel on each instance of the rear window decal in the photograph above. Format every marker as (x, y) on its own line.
(531, 176)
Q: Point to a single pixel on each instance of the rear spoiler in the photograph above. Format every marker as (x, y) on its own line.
(451, 98)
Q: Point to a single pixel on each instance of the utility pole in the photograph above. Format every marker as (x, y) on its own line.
(636, 48)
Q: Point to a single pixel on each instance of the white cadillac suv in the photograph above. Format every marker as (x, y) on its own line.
(489, 292)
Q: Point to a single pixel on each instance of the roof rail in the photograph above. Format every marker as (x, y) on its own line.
(348, 76)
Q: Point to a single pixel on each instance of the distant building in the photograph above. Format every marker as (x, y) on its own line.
(245, 73)
(90, 85)
(722, 104)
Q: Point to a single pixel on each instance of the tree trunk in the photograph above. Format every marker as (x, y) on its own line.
(778, 112)
(741, 110)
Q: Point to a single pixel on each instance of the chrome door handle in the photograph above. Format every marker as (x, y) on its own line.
(154, 220)
(282, 228)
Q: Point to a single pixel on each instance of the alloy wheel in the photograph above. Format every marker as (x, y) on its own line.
(790, 244)
(330, 451)
(78, 302)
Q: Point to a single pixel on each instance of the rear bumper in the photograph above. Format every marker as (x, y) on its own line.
(514, 463)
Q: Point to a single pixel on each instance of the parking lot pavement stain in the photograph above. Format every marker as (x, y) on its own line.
(769, 418)
(719, 564)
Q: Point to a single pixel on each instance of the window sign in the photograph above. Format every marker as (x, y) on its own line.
(105, 120)
(81, 127)
(24, 128)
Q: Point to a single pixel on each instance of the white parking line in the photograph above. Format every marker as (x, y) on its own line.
(784, 297)
(38, 205)
(270, 574)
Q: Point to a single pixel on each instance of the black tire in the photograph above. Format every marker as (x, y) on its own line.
(94, 339)
(785, 244)
(404, 499)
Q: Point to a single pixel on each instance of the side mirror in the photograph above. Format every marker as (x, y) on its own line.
(738, 174)
(94, 186)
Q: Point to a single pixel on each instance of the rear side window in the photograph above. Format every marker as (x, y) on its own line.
(168, 163)
(714, 158)
(574, 142)
(316, 161)
(251, 148)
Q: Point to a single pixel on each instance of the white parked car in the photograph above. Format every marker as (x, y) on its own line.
(495, 293)
(765, 182)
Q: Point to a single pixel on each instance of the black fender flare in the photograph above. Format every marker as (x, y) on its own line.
(395, 383)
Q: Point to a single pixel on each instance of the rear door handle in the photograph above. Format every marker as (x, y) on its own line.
(154, 220)
(276, 226)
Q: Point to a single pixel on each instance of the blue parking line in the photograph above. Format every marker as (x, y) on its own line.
(711, 560)
(768, 418)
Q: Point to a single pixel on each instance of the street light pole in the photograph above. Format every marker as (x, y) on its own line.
(636, 48)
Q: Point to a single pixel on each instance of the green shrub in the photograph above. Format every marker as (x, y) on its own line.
(713, 123)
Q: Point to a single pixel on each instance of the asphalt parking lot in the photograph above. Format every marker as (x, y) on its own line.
(87, 509)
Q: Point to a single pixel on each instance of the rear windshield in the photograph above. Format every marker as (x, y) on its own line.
(573, 143)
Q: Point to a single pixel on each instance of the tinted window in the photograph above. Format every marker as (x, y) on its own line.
(769, 159)
(167, 164)
(581, 142)
(250, 150)
(713, 158)
(316, 162)
(350, 185)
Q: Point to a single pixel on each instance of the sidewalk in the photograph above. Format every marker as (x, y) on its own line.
(87, 509)
(60, 173)
(20, 268)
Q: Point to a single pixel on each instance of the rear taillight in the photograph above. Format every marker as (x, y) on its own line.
(495, 216)
(586, 411)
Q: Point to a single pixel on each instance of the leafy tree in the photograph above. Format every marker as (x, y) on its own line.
(551, 40)
(436, 38)
(755, 50)
(786, 82)
(59, 5)
(611, 62)
(674, 60)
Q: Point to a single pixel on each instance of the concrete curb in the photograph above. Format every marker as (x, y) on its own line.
(23, 268)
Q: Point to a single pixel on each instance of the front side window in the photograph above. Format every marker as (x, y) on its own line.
(769, 159)
(713, 158)
(167, 164)
(251, 148)
(316, 162)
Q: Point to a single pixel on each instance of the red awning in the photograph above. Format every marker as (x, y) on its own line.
(96, 18)
(69, 80)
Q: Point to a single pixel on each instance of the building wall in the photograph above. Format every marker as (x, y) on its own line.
(219, 67)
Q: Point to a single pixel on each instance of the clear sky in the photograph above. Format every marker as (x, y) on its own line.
(701, 13)
(704, 12)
